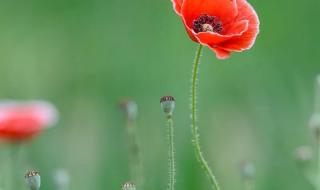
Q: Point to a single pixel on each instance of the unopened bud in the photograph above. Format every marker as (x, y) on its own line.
(128, 186)
(247, 170)
(33, 180)
(315, 125)
(129, 108)
(168, 105)
(304, 154)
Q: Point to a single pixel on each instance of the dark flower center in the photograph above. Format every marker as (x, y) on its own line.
(206, 23)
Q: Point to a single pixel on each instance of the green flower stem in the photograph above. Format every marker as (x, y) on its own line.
(195, 133)
(172, 170)
(134, 156)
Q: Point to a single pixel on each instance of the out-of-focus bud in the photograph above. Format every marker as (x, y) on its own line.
(61, 178)
(21, 121)
(128, 186)
(247, 170)
(315, 125)
(303, 154)
(168, 105)
(129, 108)
(33, 180)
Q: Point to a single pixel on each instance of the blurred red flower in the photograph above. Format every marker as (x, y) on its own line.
(224, 26)
(24, 120)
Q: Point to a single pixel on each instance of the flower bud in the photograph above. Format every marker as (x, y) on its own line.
(129, 108)
(128, 186)
(315, 125)
(168, 105)
(247, 170)
(303, 154)
(33, 180)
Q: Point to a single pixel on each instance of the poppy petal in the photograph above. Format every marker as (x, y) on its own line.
(225, 10)
(245, 41)
(190, 33)
(237, 28)
(220, 53)
(209, 38)
(213, 39)
(177, 4)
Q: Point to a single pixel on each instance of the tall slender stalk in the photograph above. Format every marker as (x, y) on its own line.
(135, 161)
(168, 105)
(130, 110)
(194, 127)
(171, 152)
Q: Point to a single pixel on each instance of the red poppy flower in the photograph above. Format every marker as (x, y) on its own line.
(24, 120)
(224, 26)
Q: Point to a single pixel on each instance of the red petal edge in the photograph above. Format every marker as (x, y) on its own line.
(220, 53)
(177, 5)
(245, 41)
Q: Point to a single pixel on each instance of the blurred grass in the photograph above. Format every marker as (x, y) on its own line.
(83, 55)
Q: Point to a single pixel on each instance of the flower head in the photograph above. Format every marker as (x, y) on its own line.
(129, 186)
(24, 120)
(168, 105)
(129, 108)
(224, 26)
(33, 179)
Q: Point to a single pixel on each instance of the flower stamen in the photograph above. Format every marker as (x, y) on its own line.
(206, 23)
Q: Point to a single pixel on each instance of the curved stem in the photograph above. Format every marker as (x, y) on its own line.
(195, 133)
(172, 170)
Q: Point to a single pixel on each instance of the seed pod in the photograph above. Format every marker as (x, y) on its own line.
(129, 186)
(168, 105)
(33, 180)
(129, 108)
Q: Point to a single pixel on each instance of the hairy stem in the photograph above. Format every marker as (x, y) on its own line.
(172, 170)
(194, 127)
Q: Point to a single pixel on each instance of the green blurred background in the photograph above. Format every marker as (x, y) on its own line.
(83, 55)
